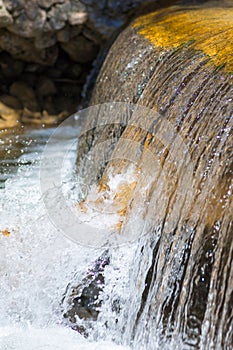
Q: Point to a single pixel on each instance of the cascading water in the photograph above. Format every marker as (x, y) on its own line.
(157, 178)
(37, 262)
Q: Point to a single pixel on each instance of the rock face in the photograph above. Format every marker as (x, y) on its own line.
(181, 69)
(44, 25)
(82, 300)
(49, 46)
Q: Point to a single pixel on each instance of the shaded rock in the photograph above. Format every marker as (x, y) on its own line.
(48, 105)
(10, 68)
(24, 49)
(63, 35)
(46, 4)
(44, 23)
(42, 41)
(46, 87)
(25, 94)
(11, 101)
(81, 49)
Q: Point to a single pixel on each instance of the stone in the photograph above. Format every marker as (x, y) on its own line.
(10, 68)
(46, 87)
(82, 299)
(23, 49)
(31, 30)
(41, 118)
(26, 27)
(25, 94)
(58, 15)
(11, 101)
(5, 17)
(81, 49)
(77, 18)
(46, 4)
(76, 70)
(9, 117)
(63, 35)
(45, 40)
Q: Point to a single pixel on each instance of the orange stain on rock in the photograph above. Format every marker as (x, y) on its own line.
(209, 30)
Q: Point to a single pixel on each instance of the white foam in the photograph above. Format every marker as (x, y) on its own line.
(36, 265)
(57, 338)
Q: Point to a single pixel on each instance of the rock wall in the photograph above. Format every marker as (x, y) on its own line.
(46, 51)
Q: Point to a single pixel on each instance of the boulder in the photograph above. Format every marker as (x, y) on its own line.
(176, 72)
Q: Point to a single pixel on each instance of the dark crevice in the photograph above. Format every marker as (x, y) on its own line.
(148, 282)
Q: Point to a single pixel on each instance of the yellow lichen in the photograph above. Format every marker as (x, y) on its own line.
(209, 30)
(82, 206)
(5, 232)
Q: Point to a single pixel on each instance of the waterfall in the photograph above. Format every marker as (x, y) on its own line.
(116, 227)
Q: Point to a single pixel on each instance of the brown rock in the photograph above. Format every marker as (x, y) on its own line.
(29, 27)
(46, 87)
(25, 94)
(24, 49)
(45, 40)
(63, 35)
(10, 68)
(77, 18)
(58, 15)
(81, 49)
(42, 118)
(5, 17)
(48, 3)
(11, 101)
(8, 116)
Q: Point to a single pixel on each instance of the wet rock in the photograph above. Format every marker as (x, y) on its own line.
(190, 212)
(57, 38)
(9, 117)
(41, 118)
(53, 72)
(32, 68)
(83, 300)
(48, 105)
(25, 94)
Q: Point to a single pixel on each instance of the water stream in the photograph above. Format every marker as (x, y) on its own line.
(36, 261)
(144, 283)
